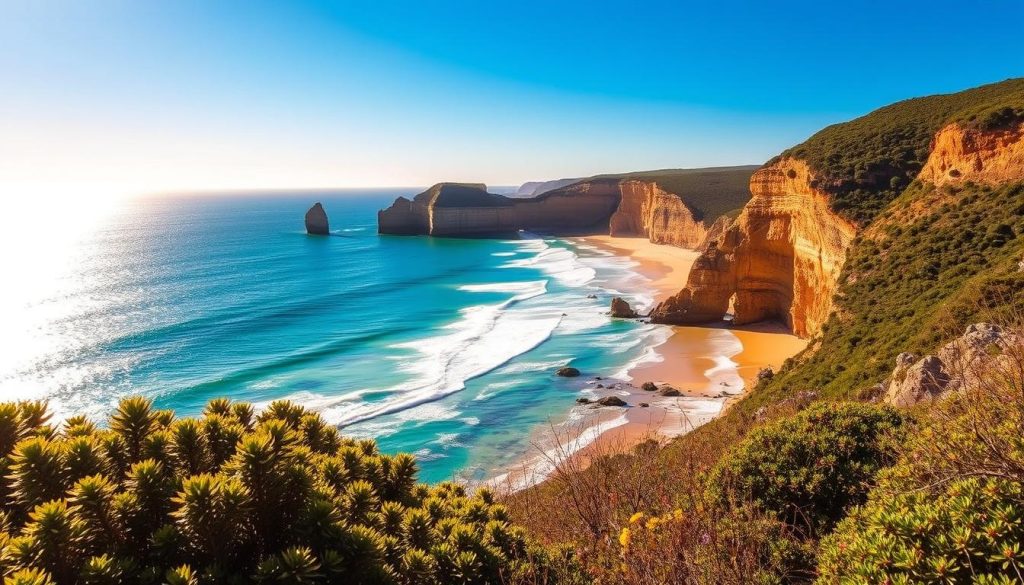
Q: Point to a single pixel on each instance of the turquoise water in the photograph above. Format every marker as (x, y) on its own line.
(445, 348)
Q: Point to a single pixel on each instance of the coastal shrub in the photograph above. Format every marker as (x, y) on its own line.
(808, 469)
(952, 509)
(971, 530)
(692, 545)
(694, 539)
(236, 497)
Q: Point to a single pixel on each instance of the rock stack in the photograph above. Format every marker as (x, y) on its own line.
(316, 221)
(621, 309)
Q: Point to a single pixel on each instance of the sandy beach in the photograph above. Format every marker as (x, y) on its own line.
(711, 366)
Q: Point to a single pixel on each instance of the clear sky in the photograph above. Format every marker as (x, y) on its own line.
(104, 96)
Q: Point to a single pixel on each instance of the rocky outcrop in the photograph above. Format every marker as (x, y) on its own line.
(961, 154)
(621, 309)
(647, 210)
(316, 221)
(959, 364)
(715, 233)
(712, 277)
(567, 372)
(780, 259)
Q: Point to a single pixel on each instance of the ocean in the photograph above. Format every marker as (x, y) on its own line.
(445, 348)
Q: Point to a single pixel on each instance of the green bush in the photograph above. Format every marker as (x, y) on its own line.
(810, 468)
(234, 497)
(952, 509)
(969, 531)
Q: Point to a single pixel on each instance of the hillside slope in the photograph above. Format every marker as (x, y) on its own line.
(891, 233)
(784, 256)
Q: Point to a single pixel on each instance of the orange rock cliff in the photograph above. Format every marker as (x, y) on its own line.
(615, 206)
(782, 257)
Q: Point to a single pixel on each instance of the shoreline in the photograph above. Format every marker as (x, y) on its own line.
(712, 367)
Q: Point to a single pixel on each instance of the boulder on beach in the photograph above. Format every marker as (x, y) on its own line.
(649, 386)
(621, 309)
(644, 405)
(568, 372)
(316, 221)
(583, 400)
(669, 391)
(611, 401)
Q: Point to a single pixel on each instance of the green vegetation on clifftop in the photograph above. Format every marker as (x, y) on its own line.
(711, 192)
(865, 163)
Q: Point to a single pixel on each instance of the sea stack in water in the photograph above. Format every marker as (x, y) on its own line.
(316, 221)
(622, 310)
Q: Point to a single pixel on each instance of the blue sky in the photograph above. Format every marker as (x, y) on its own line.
(146, 96)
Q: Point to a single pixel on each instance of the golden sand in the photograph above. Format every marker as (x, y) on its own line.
(711, 365)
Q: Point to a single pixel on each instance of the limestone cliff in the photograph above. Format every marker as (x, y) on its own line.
(464, 210)
(534, 188)
(647, 210)
(780, 259)
(603, 205)
(960, 154)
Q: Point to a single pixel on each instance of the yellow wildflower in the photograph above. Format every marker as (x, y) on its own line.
(636, 517)
(652, 523)
(677, 514)
(624, 537)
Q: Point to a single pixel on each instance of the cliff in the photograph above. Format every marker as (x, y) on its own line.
(534, 188)
(647, 210)
(784, 256)
(611, 204)
(466, 210)
(961, 154)
(780, 259)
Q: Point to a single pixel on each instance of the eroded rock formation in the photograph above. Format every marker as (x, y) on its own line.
(962, 154)
(621, 309)
(316, 221)
(961, 363)
(647, 210)
(780, 259)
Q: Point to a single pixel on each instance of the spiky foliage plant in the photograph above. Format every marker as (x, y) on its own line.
(233, 497)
